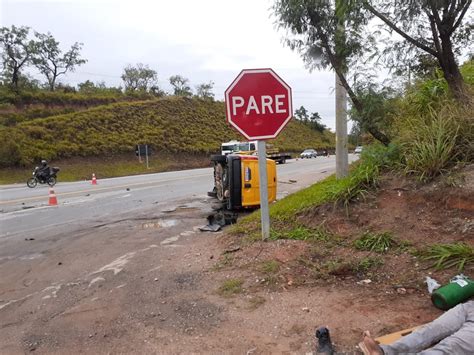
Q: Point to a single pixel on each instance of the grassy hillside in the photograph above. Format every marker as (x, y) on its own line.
(168, 125)
(27, 105)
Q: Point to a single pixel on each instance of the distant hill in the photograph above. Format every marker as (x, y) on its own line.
(170, 124)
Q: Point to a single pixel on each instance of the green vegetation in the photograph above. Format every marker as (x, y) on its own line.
(434, 131)
(368, 263)
(363, 176)
(29, 105)
(302, 233)
(270, 266)
(445, 256)
(224, 261)
(377, 242)
(171, 124)
(230, 287)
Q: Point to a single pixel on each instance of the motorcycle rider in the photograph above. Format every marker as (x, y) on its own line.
(43, 171)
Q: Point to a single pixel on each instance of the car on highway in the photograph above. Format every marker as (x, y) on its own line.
(309, 153)
(358, 149)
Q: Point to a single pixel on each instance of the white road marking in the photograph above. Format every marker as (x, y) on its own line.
(18, 300)
(97, 279)
(170, 240)
(117, 265)
(54, 289)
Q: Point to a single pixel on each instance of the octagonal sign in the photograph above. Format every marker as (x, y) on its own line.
(258, 104)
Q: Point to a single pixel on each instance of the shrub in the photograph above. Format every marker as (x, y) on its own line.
(431, 144)
(9, 153)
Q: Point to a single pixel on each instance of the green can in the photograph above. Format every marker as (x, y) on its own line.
(457, 291)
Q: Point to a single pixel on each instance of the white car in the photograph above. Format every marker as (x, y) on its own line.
(309, 153)
(358, 149)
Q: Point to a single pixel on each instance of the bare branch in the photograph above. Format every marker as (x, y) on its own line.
(434, 32)
(459, 20)
(434, 13)
(399, 31)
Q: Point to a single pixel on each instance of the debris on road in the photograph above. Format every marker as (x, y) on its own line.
(210, 228)
(218, 220)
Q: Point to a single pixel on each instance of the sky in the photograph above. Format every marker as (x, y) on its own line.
(205, 40)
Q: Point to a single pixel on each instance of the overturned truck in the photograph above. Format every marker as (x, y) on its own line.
(236, 181)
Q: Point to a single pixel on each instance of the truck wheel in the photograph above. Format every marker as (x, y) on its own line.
(282, 161)
(219, 158)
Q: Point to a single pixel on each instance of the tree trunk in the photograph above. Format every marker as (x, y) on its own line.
(15, 78)
(450, 69)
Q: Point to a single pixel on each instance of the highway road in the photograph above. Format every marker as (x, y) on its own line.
(24, 210)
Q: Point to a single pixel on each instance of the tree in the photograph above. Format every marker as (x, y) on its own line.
(17, 51)
(378, 108)
(315, 122)
(139, 78)
(180, 86)
(315, 28)
(50, 61)
(431, 26)
(204, 91)
(302, 114)
(88, 87)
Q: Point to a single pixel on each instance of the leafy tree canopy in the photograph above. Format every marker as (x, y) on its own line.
(435, 27)
(17, 51)
(139, 77)
(205, 90)
(180, 86)
(50, 60)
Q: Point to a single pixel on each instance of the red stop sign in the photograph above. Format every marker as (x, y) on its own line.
(258, 104)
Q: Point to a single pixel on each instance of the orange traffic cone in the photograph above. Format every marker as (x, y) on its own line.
(94, 180)
(53, 201)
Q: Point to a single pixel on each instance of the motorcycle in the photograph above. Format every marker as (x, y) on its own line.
(50, 179)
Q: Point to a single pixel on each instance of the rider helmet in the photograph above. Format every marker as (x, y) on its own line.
(44, 162)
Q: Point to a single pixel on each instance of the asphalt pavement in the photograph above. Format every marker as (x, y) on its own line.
(26, 211)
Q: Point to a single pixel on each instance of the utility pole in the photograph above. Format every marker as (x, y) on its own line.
(342, 164)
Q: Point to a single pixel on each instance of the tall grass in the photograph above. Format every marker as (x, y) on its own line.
(431, 144)
(376, 242)
(364, 175)
(434, 130)
(445, 256)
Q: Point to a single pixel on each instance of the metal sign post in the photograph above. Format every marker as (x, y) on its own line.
(139, 156)
(263, 183)
(146, 153)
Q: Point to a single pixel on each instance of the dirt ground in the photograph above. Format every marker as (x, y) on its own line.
(155, 284)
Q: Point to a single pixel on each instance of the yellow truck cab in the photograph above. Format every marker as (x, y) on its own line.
(236, 181)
